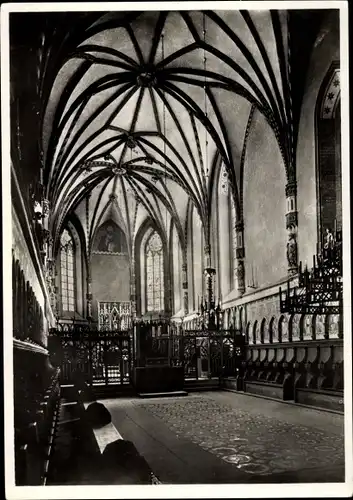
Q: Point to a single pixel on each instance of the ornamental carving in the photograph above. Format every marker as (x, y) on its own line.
(292, 250)
(240, 253)
(291, 189)
(119, 170)
(46, 236)
(241, 275)
(146, 79)
(186, 302)
(130, 142)
(291, 219)
(45, 207)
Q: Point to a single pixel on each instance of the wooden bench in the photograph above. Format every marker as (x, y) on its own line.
(106, 434)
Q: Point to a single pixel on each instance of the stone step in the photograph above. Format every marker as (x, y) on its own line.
(162, 394)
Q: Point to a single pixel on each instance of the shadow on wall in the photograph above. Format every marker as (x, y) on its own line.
(264, 205)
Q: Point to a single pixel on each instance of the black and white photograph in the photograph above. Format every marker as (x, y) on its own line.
(176, 240)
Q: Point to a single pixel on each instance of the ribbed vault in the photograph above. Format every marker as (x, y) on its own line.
(144, 108)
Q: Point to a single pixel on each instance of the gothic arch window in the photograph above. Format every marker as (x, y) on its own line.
(234, 243)
(328, 147)
(67, 272)
(154, 273)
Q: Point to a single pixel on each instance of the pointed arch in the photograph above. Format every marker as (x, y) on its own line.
(109, 237)
(143, 246)
(254, 332)
(263, 331)
(249, 339)
(241, 318)
(280, 328)
(294, 327)
(67, 273)
(270, 329)
(301, 326)
(154, 272)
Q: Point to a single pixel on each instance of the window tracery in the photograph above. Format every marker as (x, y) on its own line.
(154, 273)
(233, 233)
(67, 275)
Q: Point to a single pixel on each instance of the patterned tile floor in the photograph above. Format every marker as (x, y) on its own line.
(253, 436)
(252, 441)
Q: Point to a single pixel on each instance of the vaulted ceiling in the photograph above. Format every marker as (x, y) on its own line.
(146, 107)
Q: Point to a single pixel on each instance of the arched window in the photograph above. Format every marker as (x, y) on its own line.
(67, 272)
(234, 242)
(154, 273)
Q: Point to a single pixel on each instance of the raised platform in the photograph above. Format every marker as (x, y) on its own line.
(268, 389)
(331, 400)
(162, 394)
(201, 384)
(158, 379)
(318, 399)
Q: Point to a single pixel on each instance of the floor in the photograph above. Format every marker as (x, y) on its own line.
(224, 437)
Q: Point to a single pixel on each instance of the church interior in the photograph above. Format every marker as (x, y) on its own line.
(176, 220)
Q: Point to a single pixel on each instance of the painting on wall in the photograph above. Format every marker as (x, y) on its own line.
(110, 239)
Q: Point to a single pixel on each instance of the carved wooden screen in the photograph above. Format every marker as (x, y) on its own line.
(114, 316)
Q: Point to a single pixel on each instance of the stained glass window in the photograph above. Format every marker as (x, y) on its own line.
(233, 233)
(155, 273)
(67, 272)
